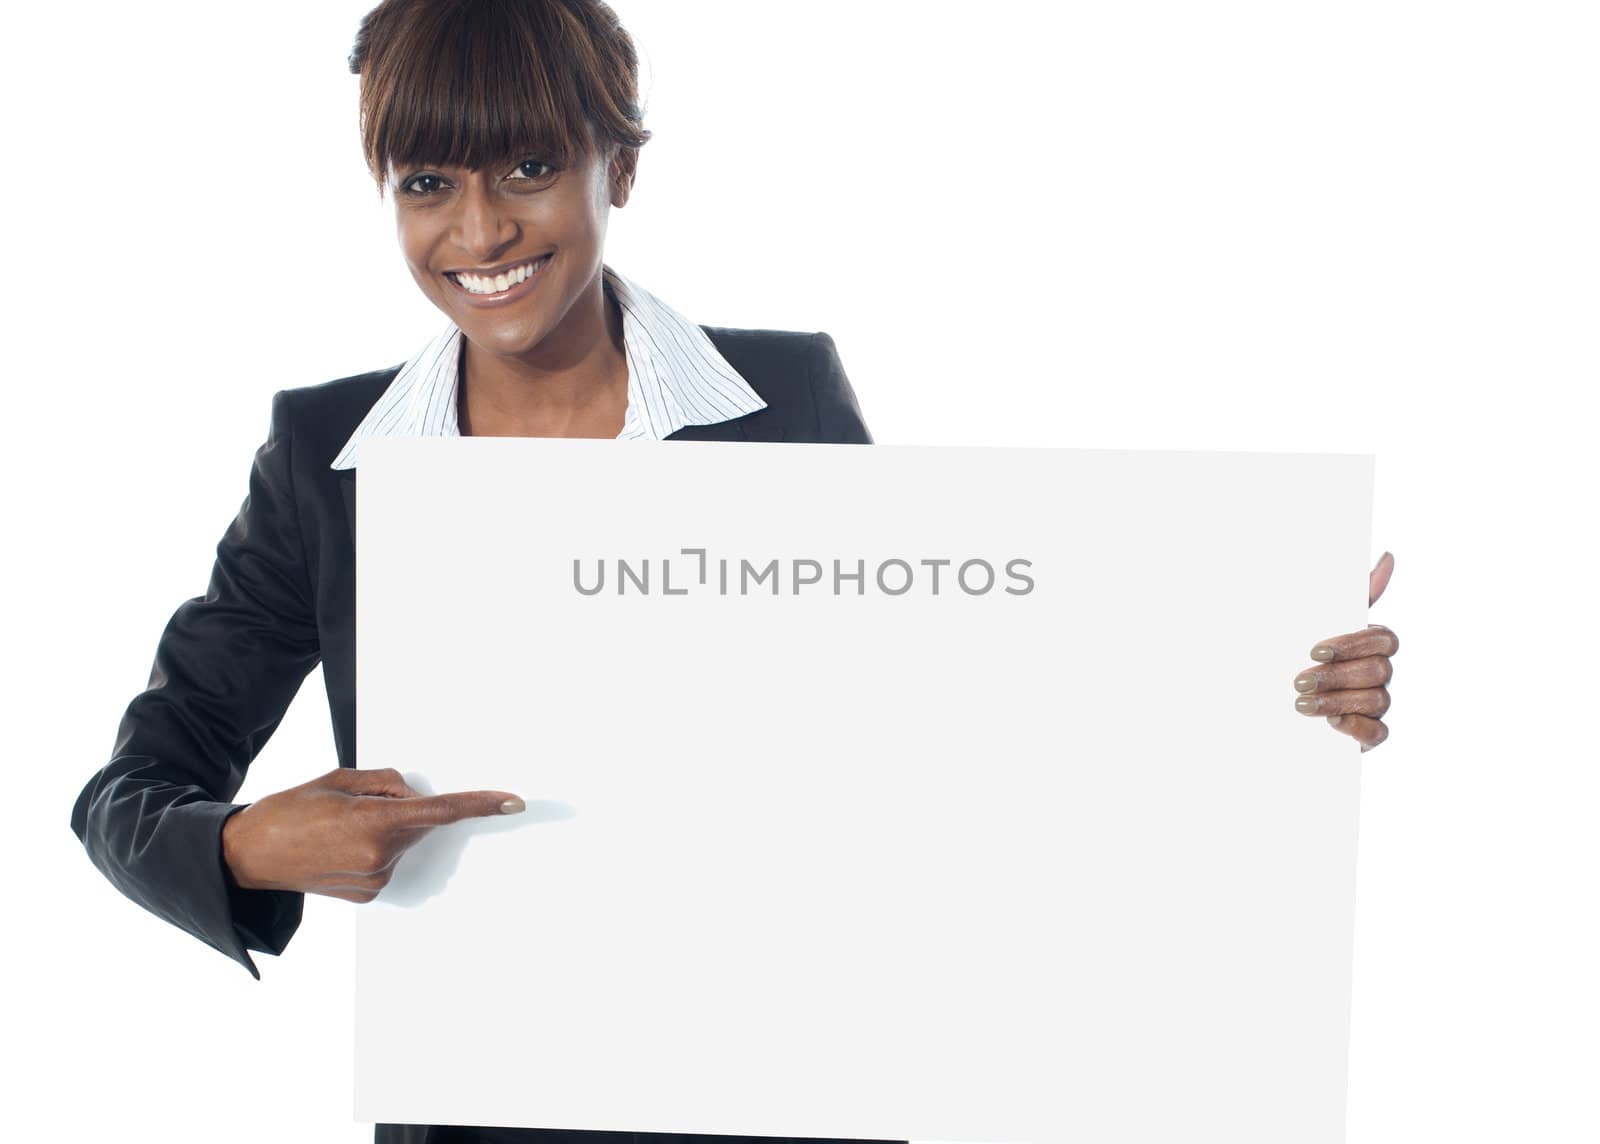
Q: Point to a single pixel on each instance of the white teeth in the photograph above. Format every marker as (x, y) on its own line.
(477, 284)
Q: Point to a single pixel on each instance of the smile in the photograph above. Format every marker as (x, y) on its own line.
(503, 284)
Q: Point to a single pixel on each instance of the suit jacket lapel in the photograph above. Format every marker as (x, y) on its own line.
(751, 427)
(347, 488)
(765, 429)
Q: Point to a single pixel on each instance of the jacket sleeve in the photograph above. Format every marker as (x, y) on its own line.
(226, 668)
(838, 414)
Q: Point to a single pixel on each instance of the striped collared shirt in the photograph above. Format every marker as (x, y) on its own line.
(676, 377)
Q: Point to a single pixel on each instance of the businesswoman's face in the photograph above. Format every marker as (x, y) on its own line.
(507, 250)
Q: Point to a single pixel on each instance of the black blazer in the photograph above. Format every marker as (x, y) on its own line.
(281, 598)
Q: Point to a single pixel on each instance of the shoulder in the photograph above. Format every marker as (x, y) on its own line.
(323, 416)
(772, 358)
(800, 377)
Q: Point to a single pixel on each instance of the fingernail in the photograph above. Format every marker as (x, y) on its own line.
(1322, 652)
(1335, 720)
(1305, 683)
(513, 805)
(1307, 703)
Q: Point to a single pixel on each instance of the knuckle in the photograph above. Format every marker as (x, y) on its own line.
(1383, 701)
(372, 858)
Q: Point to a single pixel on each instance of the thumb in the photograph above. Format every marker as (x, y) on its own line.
(1379, 578)
(441, 809)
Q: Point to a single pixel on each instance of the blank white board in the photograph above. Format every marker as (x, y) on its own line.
(1038, 853)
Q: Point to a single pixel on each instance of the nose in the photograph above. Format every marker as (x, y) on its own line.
(483, 228)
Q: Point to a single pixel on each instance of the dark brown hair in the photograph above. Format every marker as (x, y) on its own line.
(476, 82)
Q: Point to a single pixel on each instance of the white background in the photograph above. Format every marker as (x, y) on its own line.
(1275, 226)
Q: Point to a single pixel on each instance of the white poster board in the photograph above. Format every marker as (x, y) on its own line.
(1045, 854)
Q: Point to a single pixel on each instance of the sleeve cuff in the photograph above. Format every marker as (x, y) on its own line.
(262, 920)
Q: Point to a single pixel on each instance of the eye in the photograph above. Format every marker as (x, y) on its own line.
(531, 169)
(422, 185)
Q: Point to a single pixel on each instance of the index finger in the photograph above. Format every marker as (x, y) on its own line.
(442, 809)
(1376, 640)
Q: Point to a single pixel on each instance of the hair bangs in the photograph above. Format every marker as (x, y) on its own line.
(472, 85)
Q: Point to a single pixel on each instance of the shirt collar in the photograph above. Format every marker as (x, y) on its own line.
(676, 377)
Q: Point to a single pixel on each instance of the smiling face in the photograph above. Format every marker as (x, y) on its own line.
(512, 251)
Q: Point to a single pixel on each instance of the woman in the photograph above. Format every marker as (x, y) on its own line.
(504, 131)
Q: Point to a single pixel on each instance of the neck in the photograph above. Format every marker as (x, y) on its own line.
(574, 383)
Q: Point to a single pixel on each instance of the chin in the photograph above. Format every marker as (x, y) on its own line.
(505, 338)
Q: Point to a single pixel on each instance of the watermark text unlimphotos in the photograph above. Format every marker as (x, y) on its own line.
(694, 571)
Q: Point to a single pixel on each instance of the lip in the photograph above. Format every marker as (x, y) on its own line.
(510, 293)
